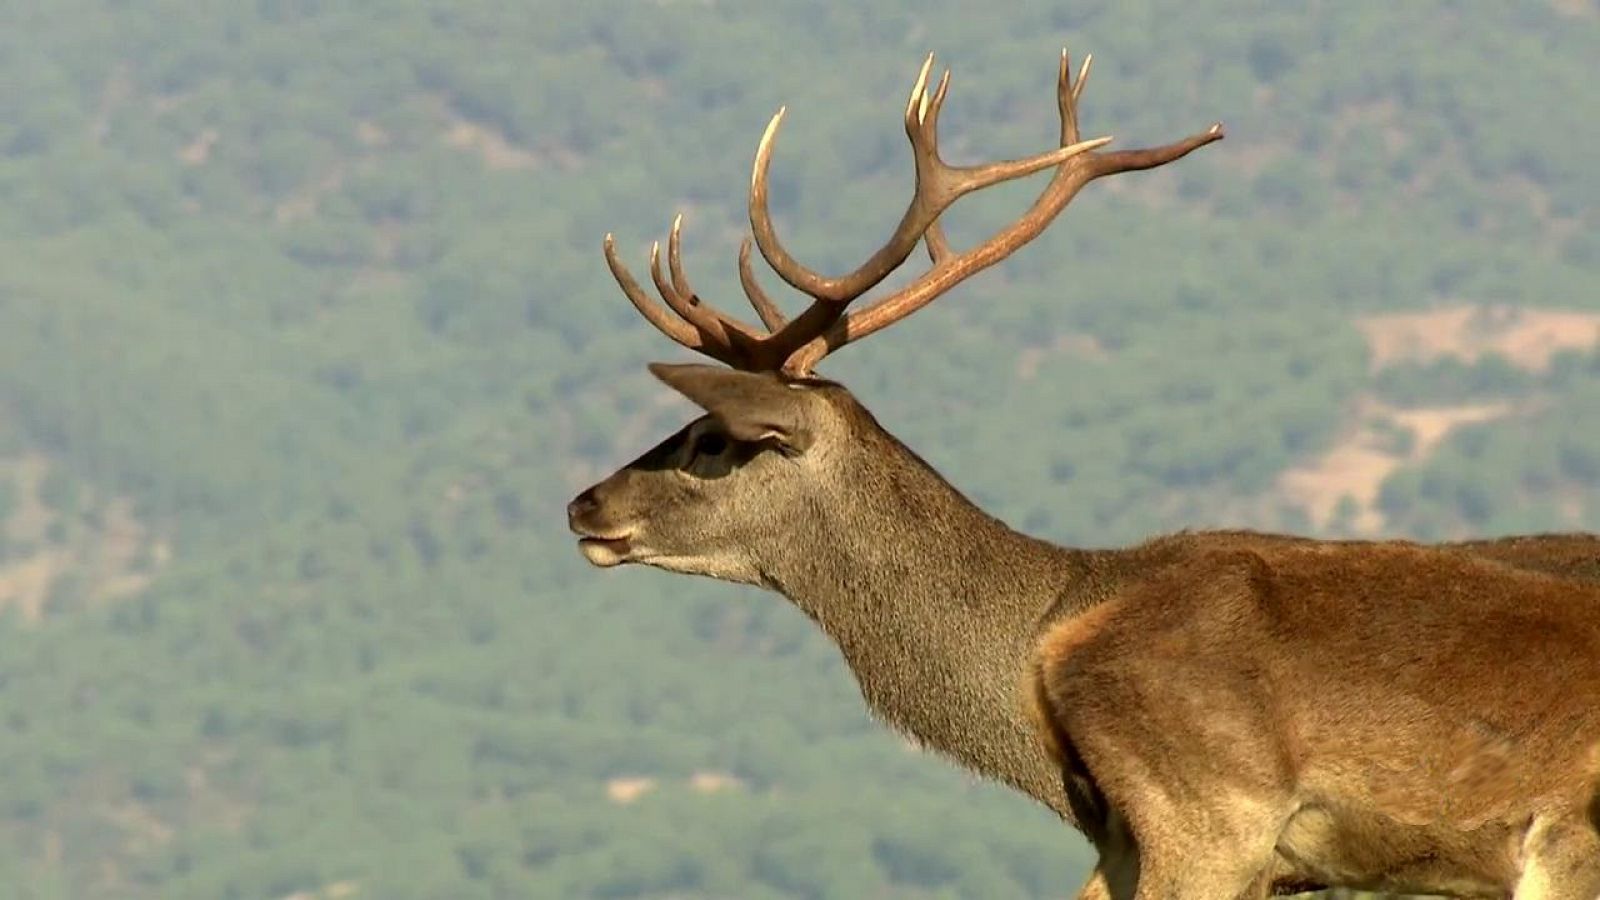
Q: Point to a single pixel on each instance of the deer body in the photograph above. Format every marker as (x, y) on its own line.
(1381, 716)
(1224, 714)
(1200, 687)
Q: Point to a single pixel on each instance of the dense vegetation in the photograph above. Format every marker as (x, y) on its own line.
(305, 338)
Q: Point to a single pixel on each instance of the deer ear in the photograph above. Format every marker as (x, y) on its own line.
(752, 406)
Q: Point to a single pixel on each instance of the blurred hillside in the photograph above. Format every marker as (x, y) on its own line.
(305, 338)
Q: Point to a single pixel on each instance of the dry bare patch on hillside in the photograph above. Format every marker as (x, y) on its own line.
(338, 890)
(627, 790)
(493, 146)
(1577, 9)
(1340, 486)
(496, 151)
(1527, 338)
(1344, 481)
(95, 547)
(1074, 344)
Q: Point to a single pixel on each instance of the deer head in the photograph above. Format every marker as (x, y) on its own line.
(708, 499)
(779, 452)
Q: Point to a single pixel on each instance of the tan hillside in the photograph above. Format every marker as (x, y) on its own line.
(1527, 338)
(98, 542)
(1378, 438)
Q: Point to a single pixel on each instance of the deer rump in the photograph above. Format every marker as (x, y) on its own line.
(1379, 715)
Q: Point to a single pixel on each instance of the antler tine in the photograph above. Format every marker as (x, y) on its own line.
(1083, 76)
(922, 110)
(704, 321)
(699, 326)
(917, 102)
(951, 269)
(682, 297)
(1067, 95)
(770, 315)
(938, 245)
(677, 329)
(933, 236)
(680, 281)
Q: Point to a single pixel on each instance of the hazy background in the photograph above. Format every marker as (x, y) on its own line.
(305, 338)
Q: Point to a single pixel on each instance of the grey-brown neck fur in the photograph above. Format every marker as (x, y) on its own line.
(934, 604)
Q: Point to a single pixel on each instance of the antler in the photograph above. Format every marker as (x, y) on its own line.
(796, 345)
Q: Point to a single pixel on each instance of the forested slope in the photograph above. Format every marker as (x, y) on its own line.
(305, 338)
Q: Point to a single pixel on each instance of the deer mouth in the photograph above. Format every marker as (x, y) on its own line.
(605, 551)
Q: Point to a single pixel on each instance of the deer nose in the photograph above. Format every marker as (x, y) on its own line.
(581, 505)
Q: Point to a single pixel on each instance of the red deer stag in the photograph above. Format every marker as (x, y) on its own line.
(1224, 714)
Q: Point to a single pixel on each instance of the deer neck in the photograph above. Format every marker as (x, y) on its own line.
(934, 605)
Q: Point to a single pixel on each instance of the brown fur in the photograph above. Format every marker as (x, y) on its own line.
(1223, 713)
(1383, 716)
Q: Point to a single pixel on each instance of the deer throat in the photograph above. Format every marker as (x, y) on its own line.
(943, 659)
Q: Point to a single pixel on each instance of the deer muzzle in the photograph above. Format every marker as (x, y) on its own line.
(599, 545)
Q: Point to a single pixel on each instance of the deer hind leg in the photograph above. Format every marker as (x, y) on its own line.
(1561, 862)
(1116, 879)
(1116, 875)
(1220, 876)
(1227, 851)
(1180, 864)
(1098, 886)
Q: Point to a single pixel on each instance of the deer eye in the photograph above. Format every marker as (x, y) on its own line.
(710, 443)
